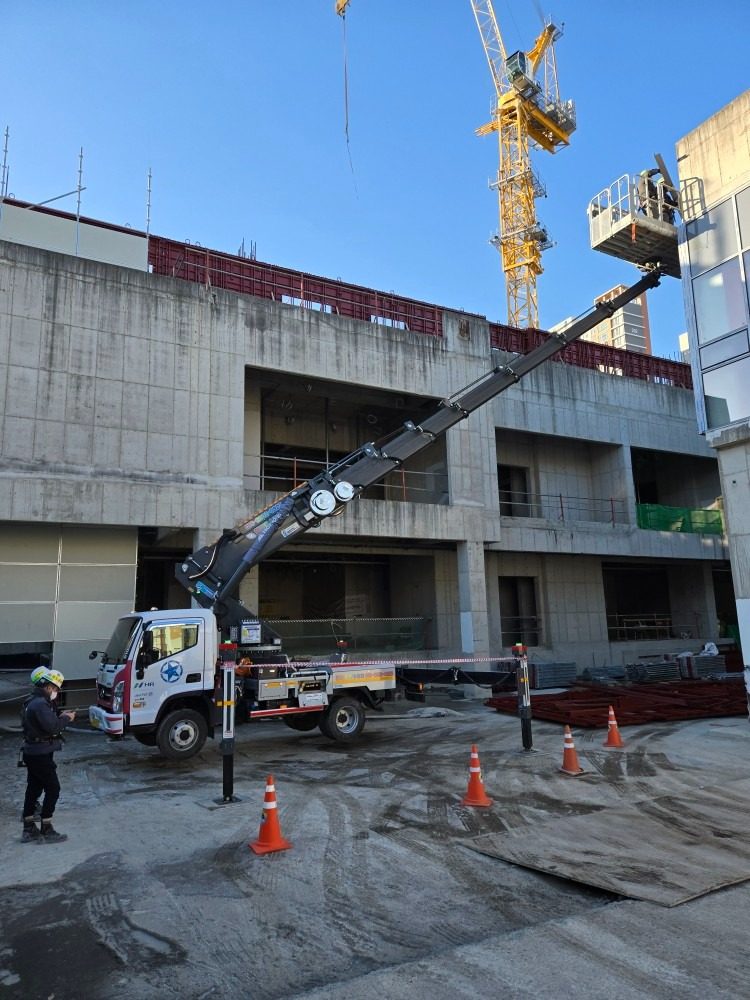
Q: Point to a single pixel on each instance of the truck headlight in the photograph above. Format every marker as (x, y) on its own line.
(117, 694)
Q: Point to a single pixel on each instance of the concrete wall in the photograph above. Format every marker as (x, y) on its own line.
(128, 401)
(50, 232)
(62, 587)
(714, 159)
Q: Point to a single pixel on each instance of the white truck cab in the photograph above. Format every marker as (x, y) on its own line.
(156, 664)
(158, 681)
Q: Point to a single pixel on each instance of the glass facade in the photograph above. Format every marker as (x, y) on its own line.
(719, 301)
(727, 392)
(721, 307)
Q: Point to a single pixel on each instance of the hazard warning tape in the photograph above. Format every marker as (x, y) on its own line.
(402, 663)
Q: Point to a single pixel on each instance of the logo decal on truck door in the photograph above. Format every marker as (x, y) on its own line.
(171, 671)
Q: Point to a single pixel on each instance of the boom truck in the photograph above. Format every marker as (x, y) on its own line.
(159, 677)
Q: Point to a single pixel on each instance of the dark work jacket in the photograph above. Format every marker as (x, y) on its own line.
(42, 727)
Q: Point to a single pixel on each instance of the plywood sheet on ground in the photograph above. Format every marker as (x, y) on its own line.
(667, 850)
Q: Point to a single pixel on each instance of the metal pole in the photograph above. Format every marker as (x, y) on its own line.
(524, 694)
(78, 203)
(5, 171)
(148, 202)
(226, 747)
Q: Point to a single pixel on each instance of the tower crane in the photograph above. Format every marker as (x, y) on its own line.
(527, 113)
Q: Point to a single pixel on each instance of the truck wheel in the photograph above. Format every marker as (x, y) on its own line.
(303, 723)
(147, 739)
(181, 734)
(343, 721)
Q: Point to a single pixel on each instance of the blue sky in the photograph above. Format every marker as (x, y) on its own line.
(238, 109)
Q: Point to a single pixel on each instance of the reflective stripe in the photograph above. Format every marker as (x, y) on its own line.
(268, 805)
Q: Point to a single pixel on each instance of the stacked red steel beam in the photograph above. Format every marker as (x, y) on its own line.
(587, 706)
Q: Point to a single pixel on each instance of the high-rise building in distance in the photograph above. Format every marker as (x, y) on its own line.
(628, 328)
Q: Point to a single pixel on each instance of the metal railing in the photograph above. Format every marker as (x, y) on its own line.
(524, 629)
(281, 473)
(653, 627)
(353, 636)
(558, 507)
(628, 196)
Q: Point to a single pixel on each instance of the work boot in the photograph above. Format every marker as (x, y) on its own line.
(49, 834)
(31, 834)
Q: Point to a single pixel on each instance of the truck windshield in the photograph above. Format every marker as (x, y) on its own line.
(118, 645)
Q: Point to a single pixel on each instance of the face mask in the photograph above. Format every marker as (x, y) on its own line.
(53, 695)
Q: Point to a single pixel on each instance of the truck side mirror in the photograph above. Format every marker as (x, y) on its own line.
(144, 658)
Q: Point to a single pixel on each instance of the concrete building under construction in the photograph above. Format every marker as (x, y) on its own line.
(154, 392)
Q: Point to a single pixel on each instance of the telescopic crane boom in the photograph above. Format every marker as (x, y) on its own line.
(213, 574)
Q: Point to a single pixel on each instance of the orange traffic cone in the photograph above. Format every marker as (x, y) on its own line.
(570, 763)
(613, 733)
(475, 794)
(269, 837)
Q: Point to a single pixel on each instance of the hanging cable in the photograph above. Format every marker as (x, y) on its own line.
(346, 100)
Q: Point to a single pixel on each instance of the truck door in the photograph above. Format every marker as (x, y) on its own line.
(170, 662)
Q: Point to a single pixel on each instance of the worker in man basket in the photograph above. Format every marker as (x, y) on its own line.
(43, 724)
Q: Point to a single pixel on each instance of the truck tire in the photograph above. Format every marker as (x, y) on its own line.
(303, 723)
(181, 734)
(343, 720)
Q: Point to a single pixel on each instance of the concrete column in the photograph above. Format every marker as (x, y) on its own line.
(446, 633)
(733, 449)
(472, 599)
(249, 590)
(252, 443)
(470, 451)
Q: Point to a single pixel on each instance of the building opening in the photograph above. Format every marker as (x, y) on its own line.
(158, 551)
(637, 602)
(518, 611)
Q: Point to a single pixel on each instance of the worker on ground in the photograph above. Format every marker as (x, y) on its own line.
(43, 724)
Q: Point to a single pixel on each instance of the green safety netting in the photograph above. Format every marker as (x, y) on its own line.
(659, 518)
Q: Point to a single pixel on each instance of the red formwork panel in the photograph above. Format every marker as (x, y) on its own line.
(587, 706)
(587, 354)
(245, 276)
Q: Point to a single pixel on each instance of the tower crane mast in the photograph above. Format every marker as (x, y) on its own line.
(526, 113)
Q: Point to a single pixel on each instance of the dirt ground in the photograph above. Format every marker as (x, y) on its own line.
(157, 894)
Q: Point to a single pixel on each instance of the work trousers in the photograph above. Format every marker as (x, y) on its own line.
(41, 777)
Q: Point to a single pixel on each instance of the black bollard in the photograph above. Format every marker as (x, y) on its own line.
(226, 746)
(524, 695)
